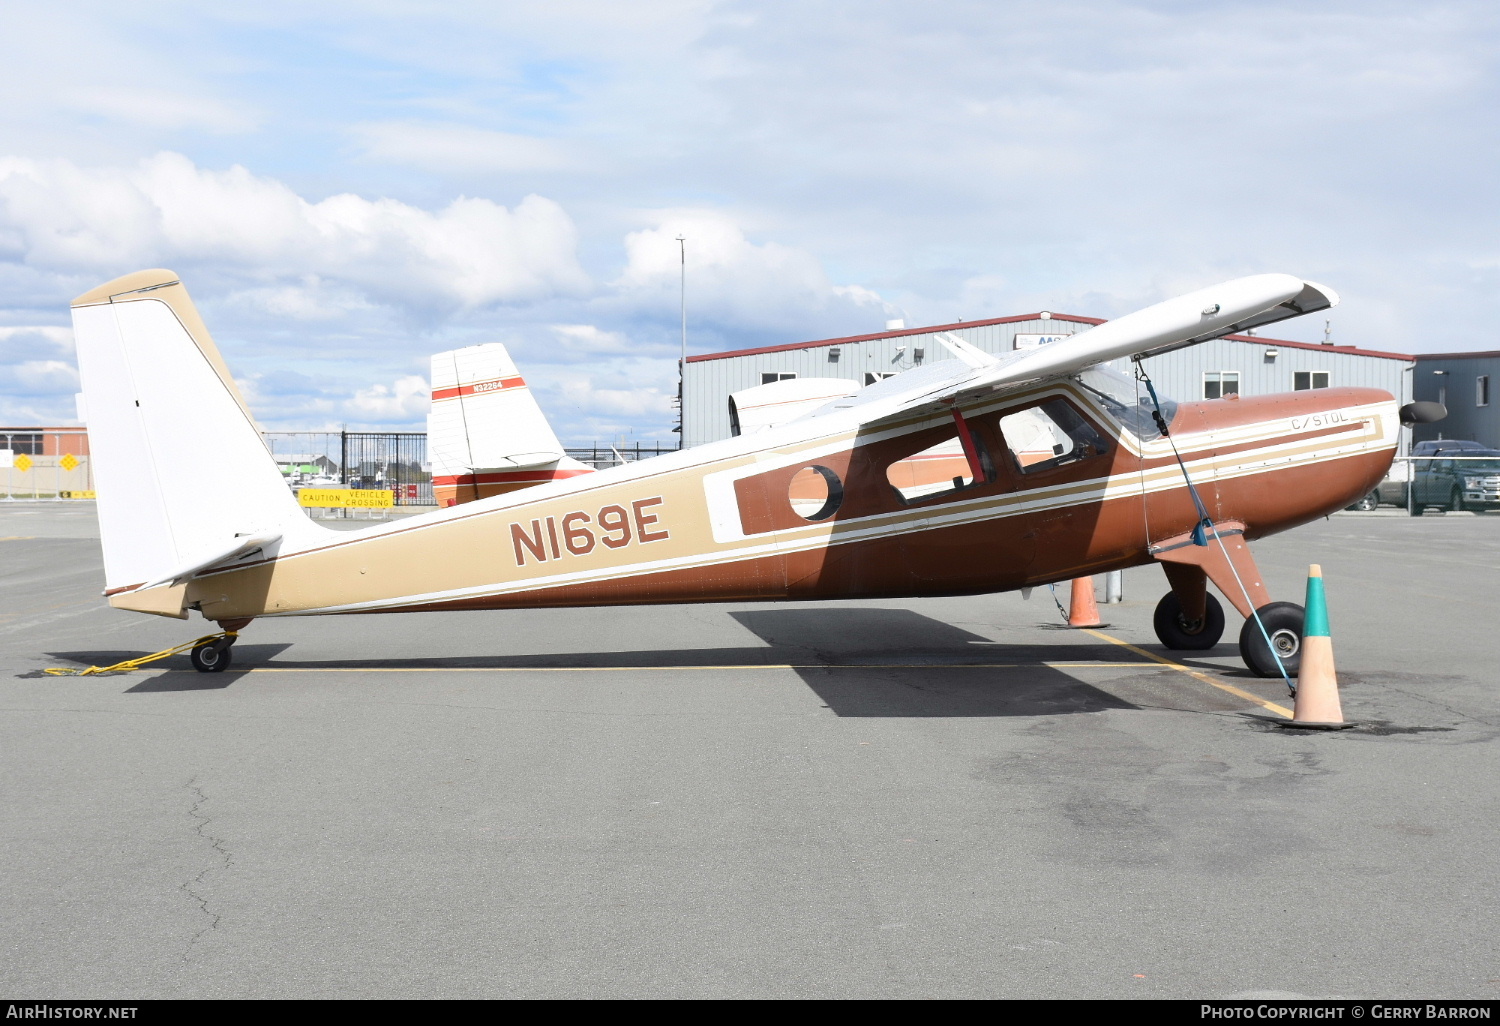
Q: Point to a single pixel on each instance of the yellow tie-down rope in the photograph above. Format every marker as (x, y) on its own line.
(136, 664)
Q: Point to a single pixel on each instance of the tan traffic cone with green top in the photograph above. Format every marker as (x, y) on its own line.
(1317, 705)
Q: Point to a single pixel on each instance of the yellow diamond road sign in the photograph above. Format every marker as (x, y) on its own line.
(68, 462)
(23, 462)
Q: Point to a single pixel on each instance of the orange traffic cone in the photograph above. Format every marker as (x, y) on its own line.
(1317, 706)
(1083, 611)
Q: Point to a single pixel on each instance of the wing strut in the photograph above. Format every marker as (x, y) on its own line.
(971, 452)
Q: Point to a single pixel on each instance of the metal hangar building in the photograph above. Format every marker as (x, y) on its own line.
(1242, 364)
(1461, 382)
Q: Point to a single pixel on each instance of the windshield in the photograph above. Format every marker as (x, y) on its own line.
(1127, 400)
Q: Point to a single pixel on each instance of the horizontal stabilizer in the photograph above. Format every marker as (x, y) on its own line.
(230, 550)
(968, 352)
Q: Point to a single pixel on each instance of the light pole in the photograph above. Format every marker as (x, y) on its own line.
(682, 292)
(682, 364)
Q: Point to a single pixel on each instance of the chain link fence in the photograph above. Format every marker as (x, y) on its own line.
(602, 457)
(45, 463)
(54, 463)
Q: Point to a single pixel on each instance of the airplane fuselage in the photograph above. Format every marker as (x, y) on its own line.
(747, 519)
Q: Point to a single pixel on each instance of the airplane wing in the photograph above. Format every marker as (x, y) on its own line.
(1200, 316)
(1210, 313)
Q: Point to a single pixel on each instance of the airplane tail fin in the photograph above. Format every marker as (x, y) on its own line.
(184, 478)
(486, 434)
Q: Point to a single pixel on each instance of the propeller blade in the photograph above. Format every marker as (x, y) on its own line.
(1422, 413)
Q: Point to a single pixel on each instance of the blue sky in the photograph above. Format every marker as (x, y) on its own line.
(347, 188)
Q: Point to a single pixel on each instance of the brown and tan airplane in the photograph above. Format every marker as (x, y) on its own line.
(971, 475)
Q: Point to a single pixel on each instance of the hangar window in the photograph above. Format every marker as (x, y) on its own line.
(1303, 380)
(873, 376)
(1218, 384)
(940, 469)
(1482, 390)
(771, 377)
(1049, 435)
(29, 445)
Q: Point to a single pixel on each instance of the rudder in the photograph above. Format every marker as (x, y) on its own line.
(183, 475)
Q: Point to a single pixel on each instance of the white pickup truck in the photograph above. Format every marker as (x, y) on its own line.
(1391, 491)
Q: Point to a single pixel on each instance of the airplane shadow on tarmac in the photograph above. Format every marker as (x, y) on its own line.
(248, 656)
(917, 665)
(860, 661)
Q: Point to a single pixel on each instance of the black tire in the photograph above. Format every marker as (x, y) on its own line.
(1456, 501)
(212, 656)
(1416, 509)
(1283, 622)
(1176, 633)
(1369, 502)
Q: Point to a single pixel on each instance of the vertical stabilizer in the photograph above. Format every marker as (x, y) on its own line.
(184, 478)
(486, 434)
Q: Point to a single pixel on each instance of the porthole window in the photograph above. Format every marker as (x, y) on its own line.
(815, 493)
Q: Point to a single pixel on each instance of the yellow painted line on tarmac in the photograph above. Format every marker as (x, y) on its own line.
(20, 537)
(719, 666)
(1280, 710)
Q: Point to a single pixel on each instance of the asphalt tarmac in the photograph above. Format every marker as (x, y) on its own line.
(927, 798)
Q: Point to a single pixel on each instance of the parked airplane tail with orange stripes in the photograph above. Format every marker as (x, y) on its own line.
(486, 435)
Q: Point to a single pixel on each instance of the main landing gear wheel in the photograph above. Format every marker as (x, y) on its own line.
(1178, 632)
(1283, 622)
(212, 656)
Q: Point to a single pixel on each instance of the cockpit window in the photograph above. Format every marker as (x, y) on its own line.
(1127, 401)
(1050, 434)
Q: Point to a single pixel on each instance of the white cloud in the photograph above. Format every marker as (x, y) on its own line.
(449, 148)
(161, 108)
(57, 215)
(45, 334)
(638, 403)
(588, 340)
(313, 299)
(46, 377)
(38, 377)
(404, 401)
(730, 278)
(832, 165)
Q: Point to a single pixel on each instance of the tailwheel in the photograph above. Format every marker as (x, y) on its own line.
(1283, 622)
(1176, 631)
(212, 656)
